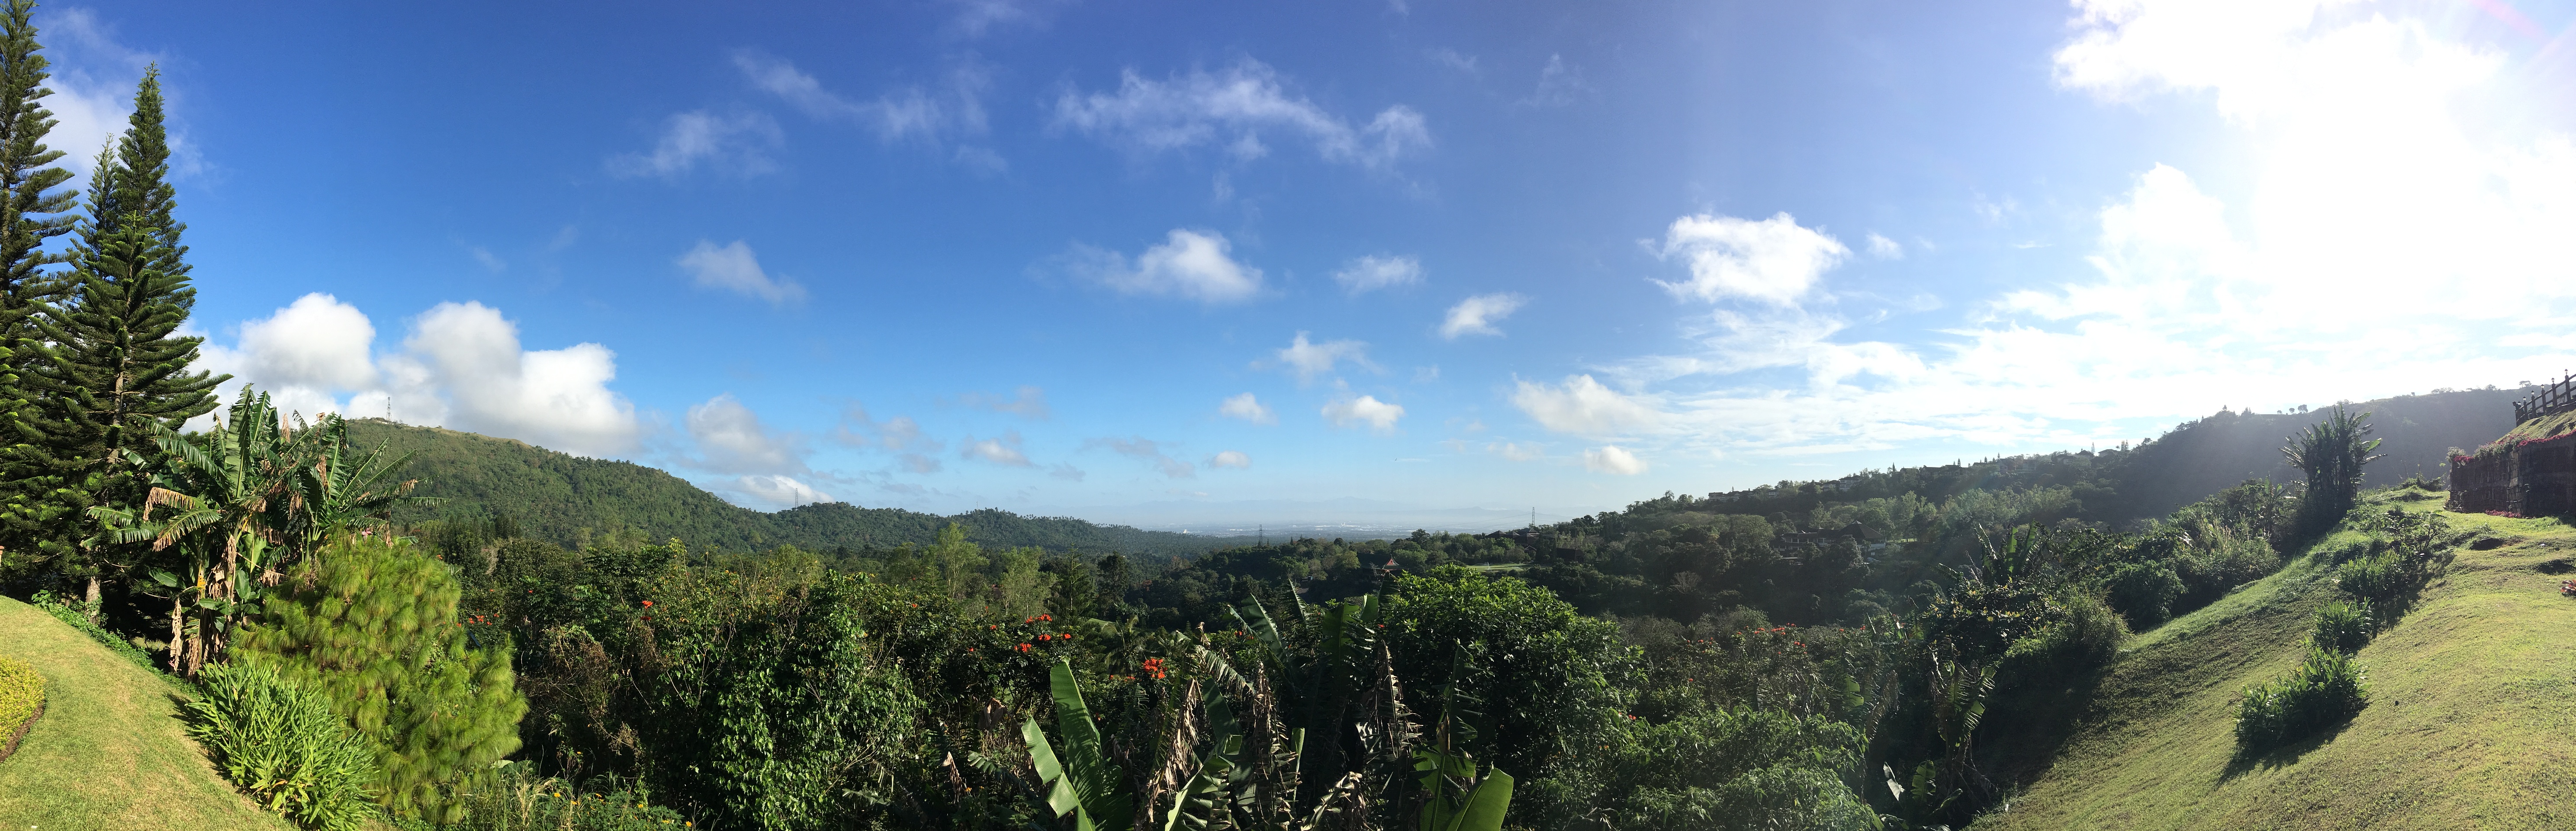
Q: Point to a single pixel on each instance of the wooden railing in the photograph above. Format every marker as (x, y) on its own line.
(2552, 399)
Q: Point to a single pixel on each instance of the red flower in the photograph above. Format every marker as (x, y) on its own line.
(648, 604)
(1044, 638)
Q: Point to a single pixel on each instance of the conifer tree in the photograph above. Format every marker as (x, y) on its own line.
(31, 212)
(112, 363)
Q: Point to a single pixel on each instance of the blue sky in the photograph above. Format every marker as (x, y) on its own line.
(1168, 263)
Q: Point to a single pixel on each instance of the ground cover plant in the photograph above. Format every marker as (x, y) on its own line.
(22, 699)
(286, 746)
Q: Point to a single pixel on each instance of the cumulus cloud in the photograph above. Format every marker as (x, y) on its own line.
(1583, 406)
(1248, 408)
(462, 366)
(1230, 459)
(1028, 402)
(1884, 248)
(1004, 450)
(1476, 315)
(1189, 264)
(1234, 108)
(1613, 459)
(735, 268)
(1364, 411)
(1378, 271)
(771, 492)
(1772, 260)
(1308, 359)
(1149, 451)
(463, 363)
(731, 439)
(734, 143)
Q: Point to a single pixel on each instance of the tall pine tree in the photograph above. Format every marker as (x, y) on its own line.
(112, 362)
(31, 212)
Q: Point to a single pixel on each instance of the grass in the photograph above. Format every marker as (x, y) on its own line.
(109, 753)
(2471, 707)
(2544, 427)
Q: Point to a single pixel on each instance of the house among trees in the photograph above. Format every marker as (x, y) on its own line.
(2531, 471)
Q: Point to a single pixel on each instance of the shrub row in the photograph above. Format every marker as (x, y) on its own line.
(22, 697)
(2344, 626)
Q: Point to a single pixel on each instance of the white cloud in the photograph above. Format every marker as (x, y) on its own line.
(731, 439)
(976, 17)
(1884, 248)
(1378, 416)
(1516, 451)
(1613, 459)
(771, 492)
(1149, 451)
(1189, 264)
(485, 258)
(1233, 109)
(464, 368)
(1248, 408)
(1583, 406)
(1476, 315)
(1559, 84)
(1378, 271)
(1030, 403)
(1772, 260)
(93, 83)
(1001, 451)
(1230, 459)
(735, 268)
(1308, 359)
(735, 143)
(931, 115)
(899, 433)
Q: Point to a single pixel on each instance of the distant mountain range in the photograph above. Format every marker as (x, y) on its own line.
(569, 499)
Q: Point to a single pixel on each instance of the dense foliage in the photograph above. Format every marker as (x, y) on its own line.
(372, 626)
(284, 743)
(2327, 688)
(572, 501)
(22, 696)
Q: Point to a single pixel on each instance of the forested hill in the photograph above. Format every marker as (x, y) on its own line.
(2195, 459)
(568, 499)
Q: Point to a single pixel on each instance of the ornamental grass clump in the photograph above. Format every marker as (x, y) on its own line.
(22, 697)
(2327, 688)
(284, 746)
(2343, 626)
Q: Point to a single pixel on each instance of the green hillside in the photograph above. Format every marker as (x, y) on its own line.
(2467, 725)
(108, 752)
(567, 499)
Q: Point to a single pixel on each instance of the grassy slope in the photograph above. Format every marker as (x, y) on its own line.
(2470, 710)
(108, 753)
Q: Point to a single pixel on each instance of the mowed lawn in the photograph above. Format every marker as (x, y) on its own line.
(109, 753)
(2472, 720)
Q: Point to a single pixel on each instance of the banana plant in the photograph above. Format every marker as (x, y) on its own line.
(223, 499)
(335, 489)
(1079, 782)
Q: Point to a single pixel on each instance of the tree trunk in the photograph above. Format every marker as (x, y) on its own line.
(92, 608)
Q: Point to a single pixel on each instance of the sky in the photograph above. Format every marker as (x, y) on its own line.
(1227, 263)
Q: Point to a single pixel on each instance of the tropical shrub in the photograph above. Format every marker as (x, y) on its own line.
(22, 696)
(2343, 626)
(516, 796)
(2380, 577)
(2327, 688)
(2144, 593)
(2085, 635)
(1741, 768)
(372, 626)
(1517, 644)
(284, 746)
